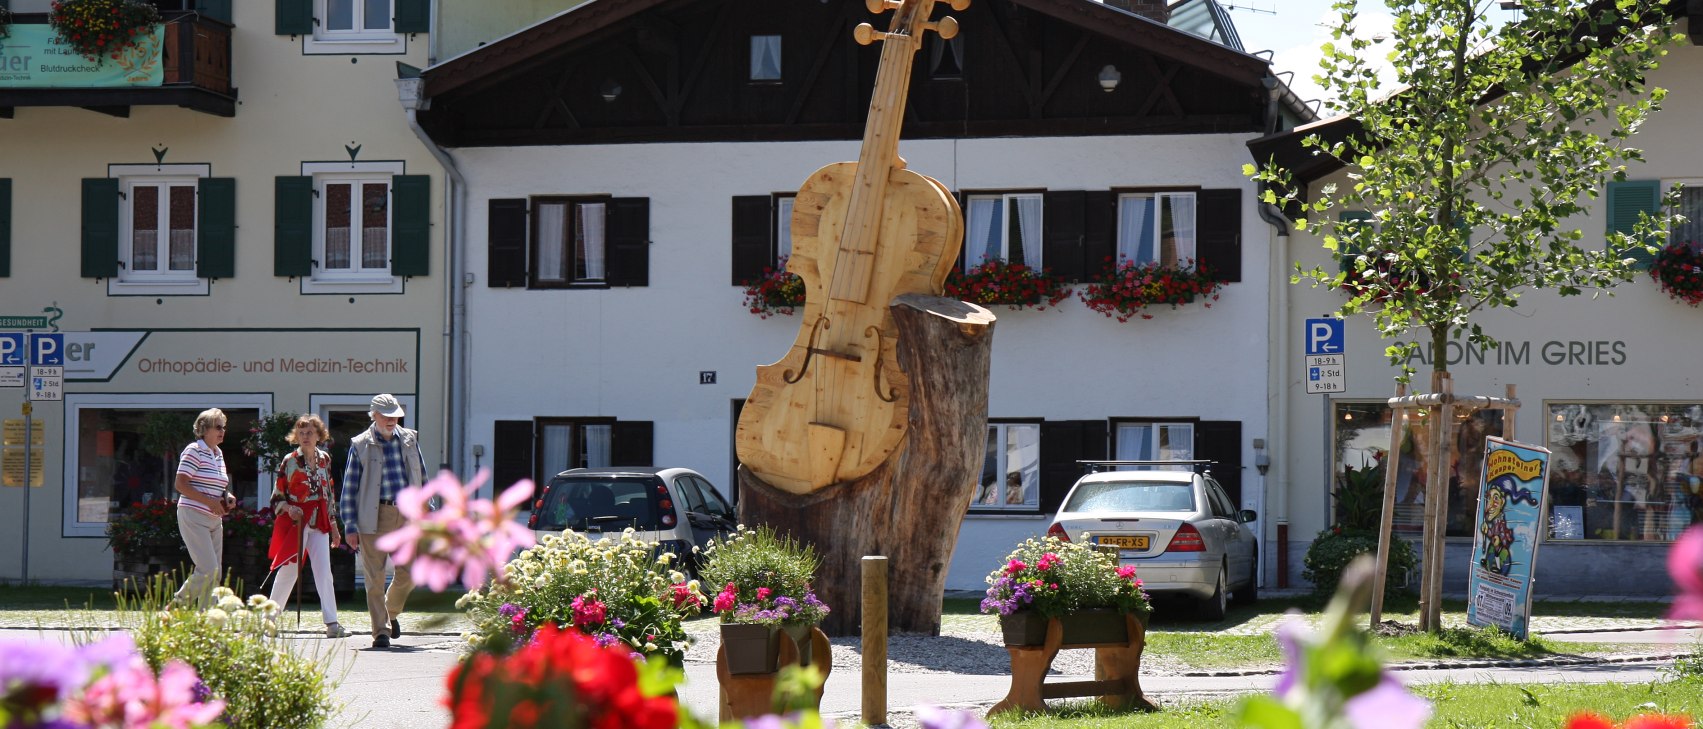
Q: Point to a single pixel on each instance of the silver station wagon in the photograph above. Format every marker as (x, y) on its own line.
(1174, 523)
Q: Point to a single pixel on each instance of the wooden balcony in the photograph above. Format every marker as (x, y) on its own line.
(195, 60)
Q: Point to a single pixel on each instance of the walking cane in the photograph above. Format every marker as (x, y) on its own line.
(301, 569)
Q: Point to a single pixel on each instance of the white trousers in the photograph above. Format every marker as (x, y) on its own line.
(319, 556)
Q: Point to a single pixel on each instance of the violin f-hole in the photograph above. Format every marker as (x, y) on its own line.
(810, 351)
(875, 376)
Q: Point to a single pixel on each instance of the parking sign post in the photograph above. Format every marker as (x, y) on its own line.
(1325, 359)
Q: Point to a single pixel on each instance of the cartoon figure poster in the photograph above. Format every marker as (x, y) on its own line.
(1511, 502)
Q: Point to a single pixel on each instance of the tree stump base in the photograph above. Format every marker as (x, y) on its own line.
(1117, 669)
(909, 508)
(750, 695)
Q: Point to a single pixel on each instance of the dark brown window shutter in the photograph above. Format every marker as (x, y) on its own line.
(511, 456)
(631, 443)
(628, 241)
(1221, 441)
(1218, 218)
(1061, 249)
(753, 246)
(505, 246)
(1063, 443)
(1099, 233)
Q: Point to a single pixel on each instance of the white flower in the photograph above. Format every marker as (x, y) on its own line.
(217, 617)
(221, 592)
(255, 601)
(230, 603)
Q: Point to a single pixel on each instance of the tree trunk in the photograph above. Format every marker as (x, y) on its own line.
(909, 508)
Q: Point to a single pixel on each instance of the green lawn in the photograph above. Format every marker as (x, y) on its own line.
(1456, 705)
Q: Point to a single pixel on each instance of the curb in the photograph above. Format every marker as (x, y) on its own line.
(1558, 660)
(1647, 628)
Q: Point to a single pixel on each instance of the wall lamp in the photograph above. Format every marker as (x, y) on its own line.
(610, 91)
(1109, 78)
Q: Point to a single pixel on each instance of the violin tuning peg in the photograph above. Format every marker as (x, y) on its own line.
(865, 34)
(881, 6)
(959, 5)
(947, 27)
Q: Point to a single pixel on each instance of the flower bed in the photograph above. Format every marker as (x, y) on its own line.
(101, 29)
(145, 542)
(1054, 577)
(1678, 269)
(1126, 291)
(616, 591)
(996, 282)
(775, 293)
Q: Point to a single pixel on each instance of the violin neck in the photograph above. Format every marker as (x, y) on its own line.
(875, 163)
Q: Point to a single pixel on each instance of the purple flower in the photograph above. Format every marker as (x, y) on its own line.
(58, 671)
(618, 623)
(1387, 705)
(509, 610)
(937, 718)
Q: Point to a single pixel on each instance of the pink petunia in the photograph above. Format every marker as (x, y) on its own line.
(132, 697)
(588, 613)
(464, 536)
(1127, 572)
(1015, 566)
(727, 599)
(763, 593)
(1685, 566)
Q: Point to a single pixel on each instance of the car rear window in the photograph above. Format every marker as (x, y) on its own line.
(1131, 496)
(602, 504)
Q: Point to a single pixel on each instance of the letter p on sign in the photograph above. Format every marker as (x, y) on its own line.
(47, 350)
(1324, 336)
(11, 349)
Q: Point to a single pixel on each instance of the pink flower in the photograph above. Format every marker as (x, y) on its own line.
(728, 598)
(1127, 572)
(763, 593)
(1015, 566)
(475, 537)
(684, 595)
(1048, 561)
(1685, 566)
(588, 613)
(133, 698)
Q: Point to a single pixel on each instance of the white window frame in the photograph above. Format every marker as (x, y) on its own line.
(1030, 476)
(1127, 251)
(783, 226)
(373, 281)
(361, 41)
(128, 282)
(75, 403)
(1008, 205)
(1690, 183)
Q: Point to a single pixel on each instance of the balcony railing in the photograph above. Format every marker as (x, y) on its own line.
(194, 70)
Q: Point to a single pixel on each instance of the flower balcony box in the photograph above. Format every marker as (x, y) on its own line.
(996, 282)
(1081, 628)
(1678, 269)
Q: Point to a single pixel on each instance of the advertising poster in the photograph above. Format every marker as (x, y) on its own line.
(1511, 503)
(31, 57)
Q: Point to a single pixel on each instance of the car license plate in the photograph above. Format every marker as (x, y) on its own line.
(1125, 542)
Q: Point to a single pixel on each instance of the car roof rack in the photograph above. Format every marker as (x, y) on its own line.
(1198, 466)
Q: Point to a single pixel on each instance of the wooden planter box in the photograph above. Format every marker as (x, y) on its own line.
(1088, 627)
(751, 649)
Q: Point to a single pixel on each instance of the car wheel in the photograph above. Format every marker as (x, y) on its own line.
(1250, 593)
(1213, 609)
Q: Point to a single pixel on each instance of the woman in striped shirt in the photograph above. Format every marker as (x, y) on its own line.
(203, 487)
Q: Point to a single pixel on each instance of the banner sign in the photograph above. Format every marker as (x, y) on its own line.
(1511, 502)
(31, 57)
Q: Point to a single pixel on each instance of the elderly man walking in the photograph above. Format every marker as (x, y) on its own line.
(383, 460)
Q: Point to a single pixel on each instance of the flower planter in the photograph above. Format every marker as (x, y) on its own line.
(132, 573)
(800, 636)
(1087, 627)
(750, 648)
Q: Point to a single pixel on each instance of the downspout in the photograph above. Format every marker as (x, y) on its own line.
(433, 23)
(1277, 373)
(411, 93)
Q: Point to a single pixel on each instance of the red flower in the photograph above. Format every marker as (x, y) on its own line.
(558, 678)
(1658, 721)
(1588, 720)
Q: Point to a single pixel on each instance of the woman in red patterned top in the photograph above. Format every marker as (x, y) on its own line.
(303, 494)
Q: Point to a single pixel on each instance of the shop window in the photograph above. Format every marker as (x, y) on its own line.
(1004, 226)
(124, 451)
(1156, 227)
(1011, 469)
(1624, 471)
(1361, 434)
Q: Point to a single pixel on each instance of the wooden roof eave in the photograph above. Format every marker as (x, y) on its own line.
(1156, 37)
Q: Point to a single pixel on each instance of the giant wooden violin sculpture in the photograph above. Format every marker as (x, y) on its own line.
(835, 407)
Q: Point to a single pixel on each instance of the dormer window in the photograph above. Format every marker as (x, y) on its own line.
(765, 58)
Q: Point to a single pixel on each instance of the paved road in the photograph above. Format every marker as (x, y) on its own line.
(402, 687)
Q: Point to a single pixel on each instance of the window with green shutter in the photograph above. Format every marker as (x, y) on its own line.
(294, 17)
(216, 228)
(411, 225)
(413, 16)
(1627, 201)
(292, 227)
(100, 227)
(5, 225)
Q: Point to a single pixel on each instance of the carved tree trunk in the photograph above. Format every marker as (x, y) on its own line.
(908, 509)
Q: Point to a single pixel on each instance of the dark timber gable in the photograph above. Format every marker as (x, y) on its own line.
(1030, 68)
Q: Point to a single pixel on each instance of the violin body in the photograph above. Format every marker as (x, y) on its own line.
(821, 417)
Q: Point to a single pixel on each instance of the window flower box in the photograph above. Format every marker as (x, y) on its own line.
(997, 282)
(100, 30)
(1678, 269)
(777, 292)
(1128, 289)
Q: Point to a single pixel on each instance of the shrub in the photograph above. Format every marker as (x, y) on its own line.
(1359, 496)
(150, 529)
(235, 648)
(616, 591)
(1334, 548)
(1125, 291)
(996, 282)
(101, 29)
(1055, 577)
(762, 578)
(776, 292)
(269, 437)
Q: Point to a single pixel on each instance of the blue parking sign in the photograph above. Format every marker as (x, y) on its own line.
(11, 349)
(47, 350)
(1324, 336)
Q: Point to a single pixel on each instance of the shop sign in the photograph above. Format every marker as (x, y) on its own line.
(1504, 549)
(12, 467)
(31, 57)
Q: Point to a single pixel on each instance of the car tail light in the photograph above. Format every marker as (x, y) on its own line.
(538, 504)
(532, 521)
(1057, 530)
(1187, 539)
(668, 520)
